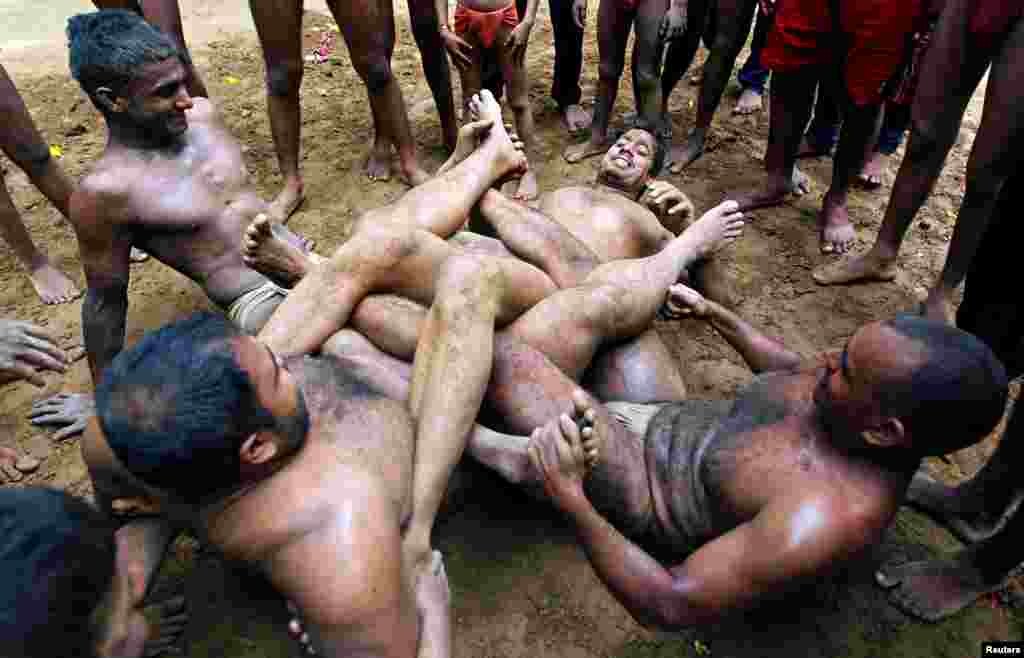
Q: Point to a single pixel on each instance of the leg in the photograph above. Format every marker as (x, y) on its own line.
(641, 370)
(613, 25)
(519, 101)
(937, 589)
(279, 26)
(753, 77)
(950, 72)
(435, 65)
(648, 49)
(565, 83)
(823, 131)
(369, 30)
(791, 99)
(166, 15)
(895, 120)
(682, 51)
(734, 18)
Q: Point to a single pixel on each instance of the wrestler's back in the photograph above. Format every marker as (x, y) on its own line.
(191, 206)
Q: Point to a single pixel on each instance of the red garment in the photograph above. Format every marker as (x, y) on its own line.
(484, 23)
(993, 17)
(876, 33)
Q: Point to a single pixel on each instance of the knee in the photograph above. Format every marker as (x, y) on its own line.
(925, 142)
(348, 344)
(469, 284)
(607, 308)
(646, 80)
(375, 70)
(519, 101)
(284, 78)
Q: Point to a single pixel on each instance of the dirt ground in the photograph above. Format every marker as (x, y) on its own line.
(521, 587)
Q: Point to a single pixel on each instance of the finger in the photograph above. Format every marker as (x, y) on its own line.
(43, 360)
(69, 431)
(38, 332)
(10, 473)
(27, 372)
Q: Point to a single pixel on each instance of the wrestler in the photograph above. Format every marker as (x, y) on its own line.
(171, 180)
(854, 52)
(368, 27)
(984, 512)
(23, 144)
(482, 25)
(967, 39)
(166, 15)
(731, 23)
(60, 595)
(656, 22)
(26, 351)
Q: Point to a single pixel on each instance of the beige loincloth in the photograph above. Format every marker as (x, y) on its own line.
(243, 311)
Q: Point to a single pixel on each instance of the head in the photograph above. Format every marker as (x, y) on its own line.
(132, 71)
(57, 555)
(913, 385)
(197, 408)
(632, 160)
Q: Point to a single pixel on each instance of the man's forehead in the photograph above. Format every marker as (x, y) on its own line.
(157, 74)
(639, 134)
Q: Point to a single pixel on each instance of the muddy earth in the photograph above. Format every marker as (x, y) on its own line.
(521, 586)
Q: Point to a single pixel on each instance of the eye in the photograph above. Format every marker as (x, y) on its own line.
(168, 90)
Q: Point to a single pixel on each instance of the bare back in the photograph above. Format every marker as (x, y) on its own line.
(188, 207)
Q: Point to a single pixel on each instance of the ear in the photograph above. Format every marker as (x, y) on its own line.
(889, 433)
(109, 100)
(259, 448)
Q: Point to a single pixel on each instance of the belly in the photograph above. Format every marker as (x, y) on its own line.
(485, 5)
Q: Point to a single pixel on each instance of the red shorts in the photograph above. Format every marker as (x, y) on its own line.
(876, 34)
(484, 24)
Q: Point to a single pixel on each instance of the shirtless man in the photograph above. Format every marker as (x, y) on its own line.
(494, 25)
(657, 22)
(244, 429)
(856, 53)
(166, 15)
(22, 143)
(968, 38)
(368, 27)
(171, 180)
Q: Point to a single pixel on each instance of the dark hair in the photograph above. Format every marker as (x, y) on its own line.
(57, 557)
(660, 148)
(107, 48)
(176, 407)
(952, 399)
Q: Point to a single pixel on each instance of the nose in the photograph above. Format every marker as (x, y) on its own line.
(183, 101)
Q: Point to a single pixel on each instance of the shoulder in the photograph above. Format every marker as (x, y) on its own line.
(105, 192)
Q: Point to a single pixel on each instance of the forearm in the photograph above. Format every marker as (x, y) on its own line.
(761, 353)
(441, 10)
(636, 579)
(530, 14)
(141, 545)
(103, 325)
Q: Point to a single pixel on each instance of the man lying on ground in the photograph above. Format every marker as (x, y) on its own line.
(171, 180)
(265, 454)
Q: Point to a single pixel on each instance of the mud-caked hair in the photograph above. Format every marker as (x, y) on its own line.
(955, 396)
(56, 566)
(108, 48)
(176, 407)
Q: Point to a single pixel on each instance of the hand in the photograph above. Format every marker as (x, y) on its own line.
(458, 48)
(673, 24)
(556, 452)
(682, 302)
(73, 410)
(517, 41)
(667, 197)
(767, 7)
(579, 13)
(25, 349)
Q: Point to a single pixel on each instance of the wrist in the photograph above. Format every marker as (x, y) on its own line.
(571, 499)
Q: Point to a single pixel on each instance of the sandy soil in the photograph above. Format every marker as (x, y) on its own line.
(521, 586)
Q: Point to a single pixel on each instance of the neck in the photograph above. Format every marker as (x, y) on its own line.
(137, 137)
(604, 184)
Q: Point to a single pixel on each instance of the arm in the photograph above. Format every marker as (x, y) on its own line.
(761, 353)
(25, 350)
(457, 48)
(673, 208)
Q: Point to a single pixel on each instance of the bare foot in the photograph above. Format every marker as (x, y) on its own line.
(468, 139)
(585, 418)
(292, 196)
(868, 267)
(578, 152)
(811, 149)
(52, 286)
(800, 184)
(413, 174)
(749, 102)
(955, 508)
(935, 589)
(137, 256)
(378, 161)
(870, 177)
(716, 229)
(939, 307)
(14, 466)
(510, 157)
(681, 157)
(575, 119)
(527, 189)
(773, 194)
(837, 233)
(266, 250)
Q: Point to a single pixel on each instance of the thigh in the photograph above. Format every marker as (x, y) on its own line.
(279, 27)
(614, 20)
(368, 26)
(733, 23)
(642, 370)
(647, 45)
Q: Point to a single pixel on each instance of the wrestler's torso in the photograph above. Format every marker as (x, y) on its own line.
(610, 225)
(769, 443)
(188, 206)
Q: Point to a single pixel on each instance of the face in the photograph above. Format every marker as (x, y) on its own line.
(630, 159)
(276, 388)
(157, 100)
